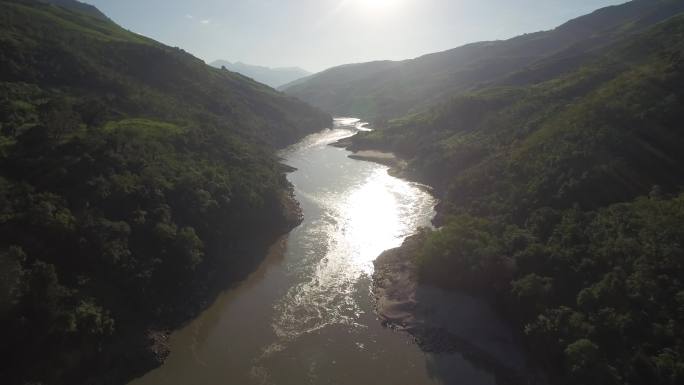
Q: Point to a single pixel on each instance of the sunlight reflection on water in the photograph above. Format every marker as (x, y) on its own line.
(373, 214)
(305, 316)
(377, 216)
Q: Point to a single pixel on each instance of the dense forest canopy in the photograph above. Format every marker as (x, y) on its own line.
(130, 172)
(562, 202)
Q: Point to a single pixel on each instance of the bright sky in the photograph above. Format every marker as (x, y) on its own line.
(317, 34)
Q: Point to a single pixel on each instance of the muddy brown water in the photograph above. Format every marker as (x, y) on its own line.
(306, 315)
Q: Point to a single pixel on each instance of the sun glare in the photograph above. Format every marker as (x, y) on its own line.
(377, 5)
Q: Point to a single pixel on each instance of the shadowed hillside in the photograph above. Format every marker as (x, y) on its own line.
(130, 173)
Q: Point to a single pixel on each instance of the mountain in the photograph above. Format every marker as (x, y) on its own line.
(561, 193)
(274, 77)
(387, 89)
(131, 174)
(79, 7)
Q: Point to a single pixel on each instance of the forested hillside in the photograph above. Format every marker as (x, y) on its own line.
(562, 203)
(383, 90)
(131, 173)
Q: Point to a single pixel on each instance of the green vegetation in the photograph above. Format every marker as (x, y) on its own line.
(562, 202)
(598, 294)
(130, 172)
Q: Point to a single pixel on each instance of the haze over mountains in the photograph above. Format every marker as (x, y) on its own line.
(386, 89)
(274, 77)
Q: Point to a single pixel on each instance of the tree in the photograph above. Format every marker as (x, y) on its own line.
(59, 118)
(11, 278)
(93, 112)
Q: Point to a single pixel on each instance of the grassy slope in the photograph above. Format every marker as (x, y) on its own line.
(130, 173)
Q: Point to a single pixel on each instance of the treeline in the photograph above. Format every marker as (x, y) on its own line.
(131, 174)
(561, 202)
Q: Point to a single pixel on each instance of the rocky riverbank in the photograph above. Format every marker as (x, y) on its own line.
(386, 158)
(446, 322)
(397, 166)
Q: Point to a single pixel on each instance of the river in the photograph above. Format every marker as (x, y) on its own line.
(306, 315)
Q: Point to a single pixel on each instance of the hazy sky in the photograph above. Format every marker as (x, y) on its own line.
(317, 34)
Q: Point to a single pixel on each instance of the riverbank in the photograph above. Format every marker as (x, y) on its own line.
(385, 158)
(397, 166)
(146, 345)
(446, 322)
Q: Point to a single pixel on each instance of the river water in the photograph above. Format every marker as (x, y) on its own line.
(306, 315)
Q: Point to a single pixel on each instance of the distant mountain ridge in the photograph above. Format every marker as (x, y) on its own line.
(389, 89)
(274, 77)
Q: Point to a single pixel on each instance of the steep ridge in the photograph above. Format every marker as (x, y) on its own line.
(384, 90)
(131, 174)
